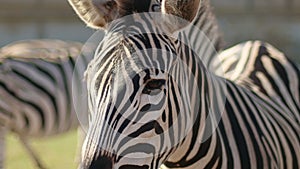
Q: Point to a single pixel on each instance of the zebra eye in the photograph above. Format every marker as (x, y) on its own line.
(154, 85)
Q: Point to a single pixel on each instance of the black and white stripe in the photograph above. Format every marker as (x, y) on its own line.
(257, 65)
(36, 89)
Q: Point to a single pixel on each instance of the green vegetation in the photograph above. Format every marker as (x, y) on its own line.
(56, 152)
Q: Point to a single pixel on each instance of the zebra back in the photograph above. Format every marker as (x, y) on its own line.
(262, 68)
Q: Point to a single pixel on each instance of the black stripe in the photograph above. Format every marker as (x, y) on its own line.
(236, 129)
(259, 158)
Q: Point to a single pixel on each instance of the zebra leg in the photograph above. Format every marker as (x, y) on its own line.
(2, 146)
(32, 153)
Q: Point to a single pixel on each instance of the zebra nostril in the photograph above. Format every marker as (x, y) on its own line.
(101, 162)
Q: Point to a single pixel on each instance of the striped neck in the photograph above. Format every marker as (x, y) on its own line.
(206, 112)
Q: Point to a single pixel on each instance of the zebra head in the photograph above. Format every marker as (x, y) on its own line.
(142, 90)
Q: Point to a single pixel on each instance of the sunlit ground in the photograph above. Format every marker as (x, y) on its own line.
(56, 152)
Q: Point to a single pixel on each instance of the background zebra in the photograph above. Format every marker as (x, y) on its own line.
(255, 65)
(138, 111)
(36, 89)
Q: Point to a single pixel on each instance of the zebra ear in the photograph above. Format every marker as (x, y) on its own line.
(185, 11)
(95, 13)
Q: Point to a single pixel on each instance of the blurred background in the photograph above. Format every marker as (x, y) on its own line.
(274, 21)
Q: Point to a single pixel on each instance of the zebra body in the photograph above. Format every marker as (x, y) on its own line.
(36, 89)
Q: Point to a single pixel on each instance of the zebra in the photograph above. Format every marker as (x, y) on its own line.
(36, 90)
(137, 109)
(157, 4)
(154, 7)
